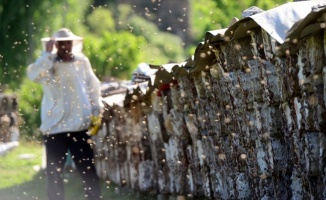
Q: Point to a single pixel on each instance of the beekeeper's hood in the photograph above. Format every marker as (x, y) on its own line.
(65, 34)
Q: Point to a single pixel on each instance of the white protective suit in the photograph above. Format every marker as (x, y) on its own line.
(71, 93)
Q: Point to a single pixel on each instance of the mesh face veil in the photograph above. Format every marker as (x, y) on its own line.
(65, 34)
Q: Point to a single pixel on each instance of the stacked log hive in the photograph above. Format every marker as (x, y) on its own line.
(9, 130)
(250, 125)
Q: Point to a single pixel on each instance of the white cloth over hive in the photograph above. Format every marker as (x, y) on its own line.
(276, 22)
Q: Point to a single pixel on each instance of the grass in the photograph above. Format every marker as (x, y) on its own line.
(21, 177)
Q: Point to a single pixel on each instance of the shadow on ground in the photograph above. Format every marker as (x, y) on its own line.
(36, 190)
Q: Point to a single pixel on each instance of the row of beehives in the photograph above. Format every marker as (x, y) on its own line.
(244, 119)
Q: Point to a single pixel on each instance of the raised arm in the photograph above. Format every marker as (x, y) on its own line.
(41, 70)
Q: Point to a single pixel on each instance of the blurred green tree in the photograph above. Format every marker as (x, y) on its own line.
(100, 20)
(217, 14)
(115, 55)
(161, 47)
(22, 24)
(29, 102)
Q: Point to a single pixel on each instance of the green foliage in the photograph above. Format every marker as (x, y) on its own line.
(15, 170)
(203, 17)
(112, 53)
(123, 14)
(20, 23)
(29, 102)
(73, 15)
(161, 47)
(115, 55)
(137, 40)
(100, 20)
(140, 26)
(217, 14)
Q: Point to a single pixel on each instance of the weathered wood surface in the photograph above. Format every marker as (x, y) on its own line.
(9, 130)
(250, 126)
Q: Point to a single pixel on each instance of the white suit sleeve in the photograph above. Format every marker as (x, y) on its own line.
(41, 70)
(94, 89)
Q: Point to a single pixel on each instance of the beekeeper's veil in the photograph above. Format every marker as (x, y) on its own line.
(65, 34)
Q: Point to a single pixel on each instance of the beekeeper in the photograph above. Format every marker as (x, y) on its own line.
(71, 99)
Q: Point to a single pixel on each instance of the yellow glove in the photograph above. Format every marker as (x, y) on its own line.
(95, 125)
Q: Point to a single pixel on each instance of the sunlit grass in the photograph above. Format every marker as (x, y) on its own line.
(20, 165)
(21, 177)
(19, 173)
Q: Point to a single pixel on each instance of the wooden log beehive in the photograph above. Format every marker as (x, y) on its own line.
(245, 123)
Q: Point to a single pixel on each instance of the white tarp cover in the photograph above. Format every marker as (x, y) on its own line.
(168, 72)
(215, 36)
(312, 23)
(276, 22)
